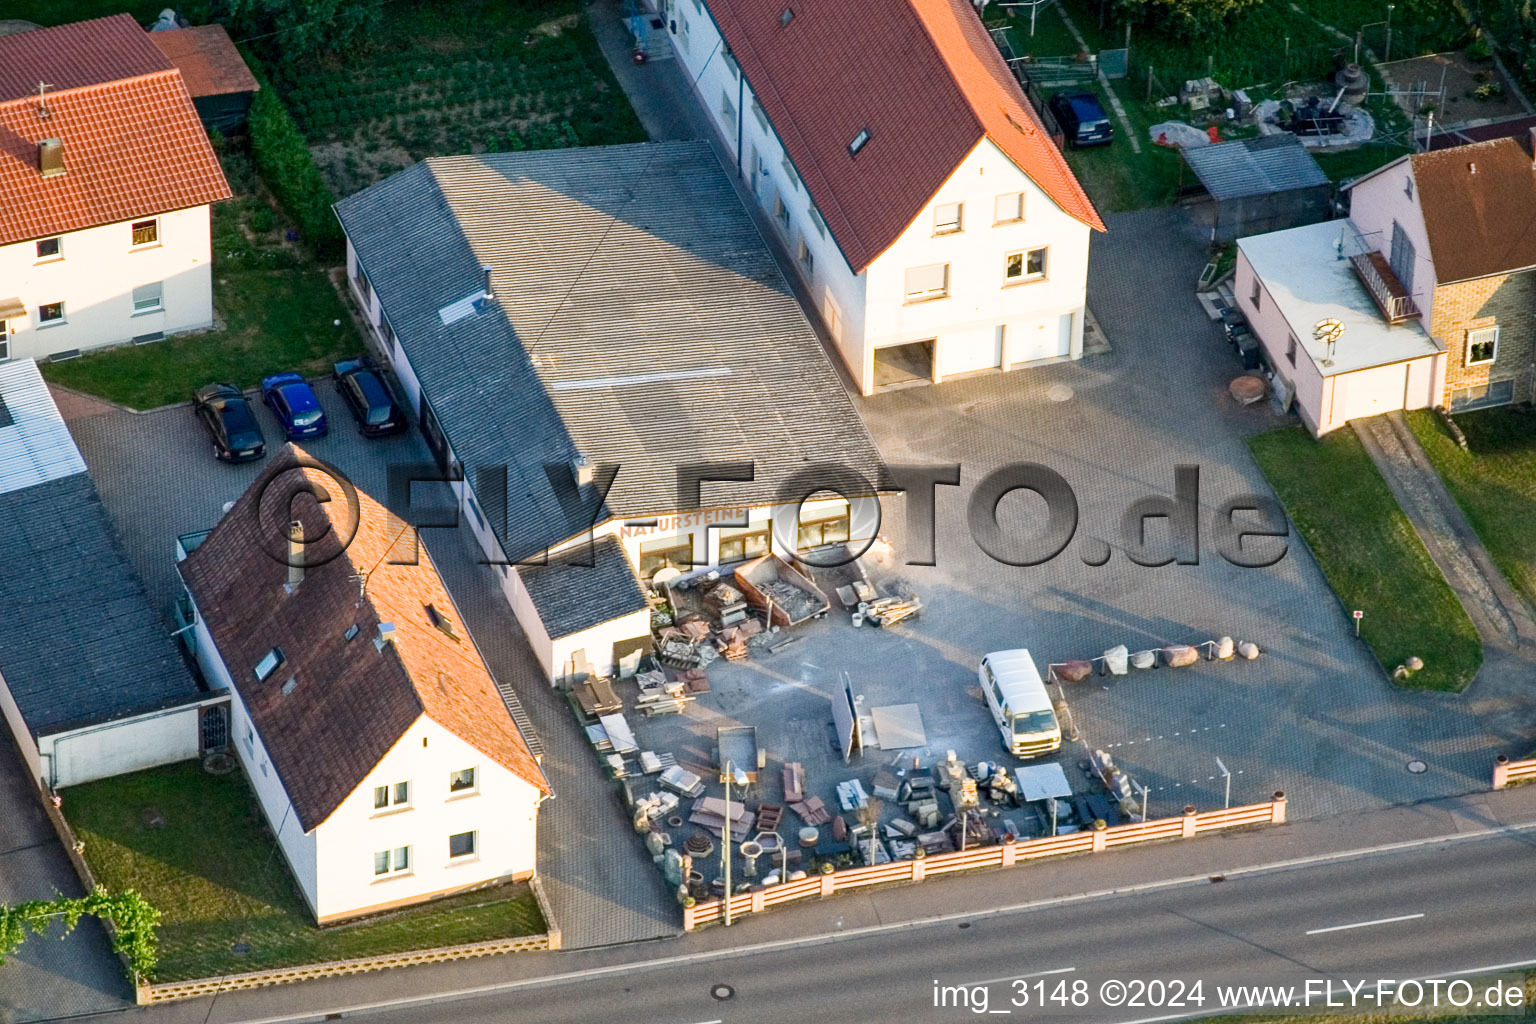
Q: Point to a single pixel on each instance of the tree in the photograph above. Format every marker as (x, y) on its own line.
(134, 922)
(1183, 15)
(297, 30)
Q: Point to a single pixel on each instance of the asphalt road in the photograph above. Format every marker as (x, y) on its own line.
(1424, 912)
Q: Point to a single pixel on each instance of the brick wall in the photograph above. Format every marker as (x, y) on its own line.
(1506, 301)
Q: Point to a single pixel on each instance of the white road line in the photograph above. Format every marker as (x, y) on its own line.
(629, 967)
(1365, 924)
(1020, 977)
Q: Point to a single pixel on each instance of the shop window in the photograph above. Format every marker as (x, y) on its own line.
(831, 530)
(738, 546)
(675, 552)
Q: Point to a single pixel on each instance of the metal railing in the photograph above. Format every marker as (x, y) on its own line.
(1383, 286)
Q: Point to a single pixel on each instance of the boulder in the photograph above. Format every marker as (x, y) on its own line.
(1248, 650)
(1116, 659)
(1073, 671)
(1143, 659)
(1225, 648)
(1414, 664)
(1180, 655)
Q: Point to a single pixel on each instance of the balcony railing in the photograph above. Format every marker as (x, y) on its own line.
(1385, 289)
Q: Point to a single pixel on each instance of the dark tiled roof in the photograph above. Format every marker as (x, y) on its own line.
(583, 587)
(1255, 167)
(207, 60)
(351, 702)
(1479, 204)
(660, 330)
(133, 144)
(922, 76)
(81, 641)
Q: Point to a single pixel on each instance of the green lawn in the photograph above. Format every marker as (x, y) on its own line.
(1370, 554)
(1494, 483)
(217, 877)
(276, 311)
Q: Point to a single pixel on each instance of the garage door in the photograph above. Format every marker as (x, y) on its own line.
(1040, 339)
(1373, 392)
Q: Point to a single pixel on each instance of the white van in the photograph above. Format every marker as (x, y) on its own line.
(1020, 704)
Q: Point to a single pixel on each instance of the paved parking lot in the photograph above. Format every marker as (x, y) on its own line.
(159, 480)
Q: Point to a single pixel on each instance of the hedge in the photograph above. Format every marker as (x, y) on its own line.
(284, 162)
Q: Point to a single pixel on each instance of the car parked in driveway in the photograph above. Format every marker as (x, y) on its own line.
(369, 398)
(293, 402)
(229, 420)
(1082, 119)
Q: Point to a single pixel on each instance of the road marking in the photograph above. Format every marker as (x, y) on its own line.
(1365, 924)
(630, 967)
(1020, 977)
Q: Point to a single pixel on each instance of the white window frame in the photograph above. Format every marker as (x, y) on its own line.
(788, 167)
(133, 227)
(762, 122)
(474, 847)
(781, 211)
(272, 659)
(474, 782)
(807, 260)
(728, 111)
(1477, 336)
(944, 225)
(62, 318)
(5, 341)
(156, 306)
(55, 257)
(926, 294)
(396, 862)
(816, 221)
(1014, 208)
(1024, 275)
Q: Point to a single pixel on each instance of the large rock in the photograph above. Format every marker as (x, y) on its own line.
(1225, 648)
(1248, 650)
(1073, 671)
(1116, 659)
(1144, 659)
(1180, 655)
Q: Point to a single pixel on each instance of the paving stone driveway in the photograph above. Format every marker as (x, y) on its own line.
(1314, 717)
(159, 479)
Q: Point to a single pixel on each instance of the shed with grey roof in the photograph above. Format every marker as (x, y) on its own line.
(1264, 184)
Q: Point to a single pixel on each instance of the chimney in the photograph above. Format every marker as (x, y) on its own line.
(1471, 167)
(583, 470)
(50, 157)
(485, 270)
(295, 554)
(386, 636)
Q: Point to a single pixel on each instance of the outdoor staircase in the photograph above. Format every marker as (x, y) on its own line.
(657, 42)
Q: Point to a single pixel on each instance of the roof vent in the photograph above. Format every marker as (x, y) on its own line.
(1471, 167)
(386, 635)
(291, 685)
(787, 17)
(485, 271)
(351, 633)
(858, 142)
(50, 157)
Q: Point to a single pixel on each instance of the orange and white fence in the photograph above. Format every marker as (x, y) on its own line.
(1506, 772)
(1096, 840)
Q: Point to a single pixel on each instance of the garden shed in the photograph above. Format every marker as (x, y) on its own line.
(215, 73)
(1259, 185)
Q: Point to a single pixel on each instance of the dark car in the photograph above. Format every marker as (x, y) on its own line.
(368, 397)
(293, 402)
(230, 422)
(1082, 119)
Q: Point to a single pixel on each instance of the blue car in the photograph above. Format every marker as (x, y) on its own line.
(1082, 119)
(293, 402)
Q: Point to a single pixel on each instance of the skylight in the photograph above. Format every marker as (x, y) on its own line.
(268, 664)
(858, 142)
(787, 17)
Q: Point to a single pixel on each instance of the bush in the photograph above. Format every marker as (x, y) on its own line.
(283, 160)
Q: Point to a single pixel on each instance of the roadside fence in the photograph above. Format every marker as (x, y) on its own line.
(1507, 772)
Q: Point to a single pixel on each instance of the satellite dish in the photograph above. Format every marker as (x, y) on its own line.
(664, 575)
(1329, 330)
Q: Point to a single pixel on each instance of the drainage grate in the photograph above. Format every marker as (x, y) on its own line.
(1059, 393)
(721, 993)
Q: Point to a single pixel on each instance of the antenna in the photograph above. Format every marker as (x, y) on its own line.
(42, 104)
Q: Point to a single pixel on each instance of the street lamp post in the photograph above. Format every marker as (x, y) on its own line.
(725, 835)
(1387, 57)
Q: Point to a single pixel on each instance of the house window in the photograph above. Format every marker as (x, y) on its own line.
(806, 259)
(380, 797)
(50, 313)
(728, 111)
(789, 172)
(461, 781)
(832, 528)
(816, 222)
(1028, 265)
(1290, 350)
(397, 795)
(392, 862)
(930, 282)
(146, 232)
(731, 65)
(946, 218)
(50, 248)
(268, 664)
(461, 845)
(740, 545)
(1408, 187)
(1482, 346)
(757, 112)
(250, 739)
(1253, 292)
(676, 552)
(146, 297)
(5, 342)
(1481, 396)
(781, 212)
(859, 142)
(1008, 208)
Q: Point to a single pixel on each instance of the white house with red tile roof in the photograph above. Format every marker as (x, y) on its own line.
(936, 226)
(106, 176)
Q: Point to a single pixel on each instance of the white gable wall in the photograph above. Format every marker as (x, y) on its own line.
(95, 275)
(1373, 206)
(502, 810)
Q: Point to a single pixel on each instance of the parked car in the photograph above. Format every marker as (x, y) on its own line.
(369, 398)
(293, 402)
(1082, 119)
(228, 418)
